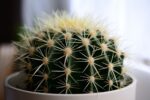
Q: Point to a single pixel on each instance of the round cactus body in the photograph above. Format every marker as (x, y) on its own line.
(67, 54)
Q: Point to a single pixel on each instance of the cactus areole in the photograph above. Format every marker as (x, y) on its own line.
(70, 55)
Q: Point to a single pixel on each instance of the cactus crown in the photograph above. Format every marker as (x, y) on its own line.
(67, 54)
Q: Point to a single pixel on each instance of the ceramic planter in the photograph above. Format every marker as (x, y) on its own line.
(13, 93)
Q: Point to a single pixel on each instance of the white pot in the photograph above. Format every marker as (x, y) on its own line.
(13, 93)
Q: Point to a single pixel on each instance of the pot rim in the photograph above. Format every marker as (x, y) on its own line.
(7, 85)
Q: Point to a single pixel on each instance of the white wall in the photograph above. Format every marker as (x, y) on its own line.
(138, 26)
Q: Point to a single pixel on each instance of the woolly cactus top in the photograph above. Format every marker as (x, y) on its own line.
(68, 54)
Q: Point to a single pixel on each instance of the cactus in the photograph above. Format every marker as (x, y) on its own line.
(67, 54)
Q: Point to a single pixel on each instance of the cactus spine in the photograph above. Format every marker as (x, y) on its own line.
(67, 54)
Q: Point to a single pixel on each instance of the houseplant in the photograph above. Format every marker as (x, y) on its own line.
(69, 58)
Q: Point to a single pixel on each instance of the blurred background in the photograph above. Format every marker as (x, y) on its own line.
(130, 19)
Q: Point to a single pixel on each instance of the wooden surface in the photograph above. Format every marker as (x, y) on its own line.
(3, 75)
(6, 65)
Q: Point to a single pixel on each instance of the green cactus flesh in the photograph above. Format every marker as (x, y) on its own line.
(70, 62)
